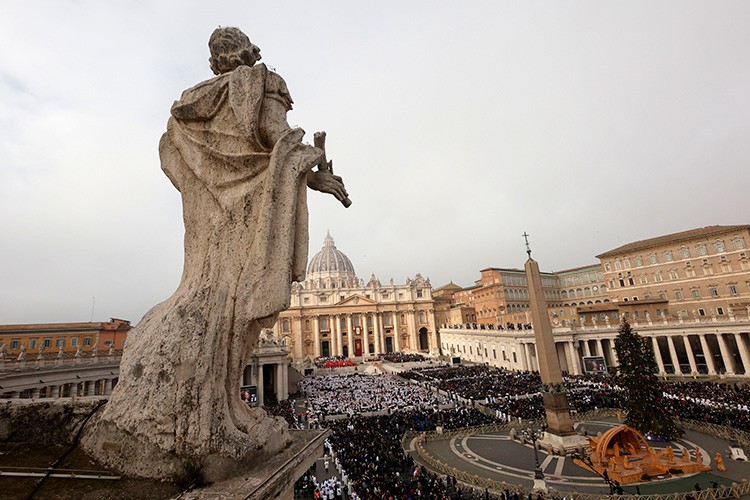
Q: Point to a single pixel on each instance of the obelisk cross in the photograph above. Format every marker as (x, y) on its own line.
(528, 248)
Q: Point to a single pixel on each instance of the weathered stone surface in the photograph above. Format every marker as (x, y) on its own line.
(242, 173)
(47, 422)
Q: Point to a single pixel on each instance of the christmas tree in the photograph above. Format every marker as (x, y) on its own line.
(644, 398)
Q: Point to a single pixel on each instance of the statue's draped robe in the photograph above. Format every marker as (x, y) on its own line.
(244, 208)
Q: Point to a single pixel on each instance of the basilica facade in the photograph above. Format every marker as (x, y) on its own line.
(335, 313)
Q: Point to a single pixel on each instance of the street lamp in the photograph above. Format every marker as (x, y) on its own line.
(534, 434)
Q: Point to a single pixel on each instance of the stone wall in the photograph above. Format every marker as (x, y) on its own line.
(44, 422)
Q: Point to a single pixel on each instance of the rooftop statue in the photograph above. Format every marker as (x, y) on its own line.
(242, 172)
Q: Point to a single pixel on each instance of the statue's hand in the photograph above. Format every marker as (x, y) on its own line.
(325, 182)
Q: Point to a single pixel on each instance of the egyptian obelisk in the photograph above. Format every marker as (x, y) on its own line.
(560, 432)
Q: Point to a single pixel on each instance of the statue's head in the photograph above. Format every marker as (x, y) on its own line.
(231, 48)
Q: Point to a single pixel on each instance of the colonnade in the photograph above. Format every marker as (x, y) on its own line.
(99, 387)
(688, 351)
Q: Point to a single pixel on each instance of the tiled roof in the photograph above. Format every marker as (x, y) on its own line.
(703, 232)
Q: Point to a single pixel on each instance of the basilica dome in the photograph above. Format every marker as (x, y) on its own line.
(330, 267)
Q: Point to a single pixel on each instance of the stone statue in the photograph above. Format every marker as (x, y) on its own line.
(242, 172)
(720, 462)
(22, 354)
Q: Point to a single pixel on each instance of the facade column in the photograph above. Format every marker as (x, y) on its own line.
(298, 336)
(365, 336)
(744, 354)
(107, 387)
(657, 355)
(376, 332)
(432, 332)
(726, 354)
(333, 320)
(707, 356)
(673, 356)
(55, 391)
(35, 393)
(690, 355)
(396, 333)
(316, 337)
(413, 335)
(91, 388)
(350, 335)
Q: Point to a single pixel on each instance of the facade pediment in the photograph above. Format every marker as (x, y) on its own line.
(356, 300)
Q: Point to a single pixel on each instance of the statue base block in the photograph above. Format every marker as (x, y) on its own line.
(566, 443)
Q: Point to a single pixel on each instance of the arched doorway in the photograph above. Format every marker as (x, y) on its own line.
(424, 341)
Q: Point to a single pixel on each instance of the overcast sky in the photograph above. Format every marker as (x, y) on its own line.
(457, 126)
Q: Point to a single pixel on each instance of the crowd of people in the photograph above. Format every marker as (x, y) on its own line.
(402, 357)
(382, 469)
(334, 362)
(356, 392)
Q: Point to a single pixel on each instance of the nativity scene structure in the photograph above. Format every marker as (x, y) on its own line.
(243, 175)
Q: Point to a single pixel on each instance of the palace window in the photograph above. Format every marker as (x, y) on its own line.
(61, 342)
(652, 258)
(720, 311)
(719, 245)
(702, 250)
(74, 341)
(732, 289)
(685, 253)
(638, 261)
(668, 255)
(702, 312)
(15, 344)
(47, 342)
(690, 273)
(643, 279)
(32, 344)
(714, 291)
(696, 294)
(618, 266)
(626, 263)
(678, 295)
(607, 267)
(673, 274)
(739, 243)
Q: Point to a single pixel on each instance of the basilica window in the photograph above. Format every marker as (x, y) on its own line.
(285, 325)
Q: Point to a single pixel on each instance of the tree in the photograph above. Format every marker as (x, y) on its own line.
(644, 396)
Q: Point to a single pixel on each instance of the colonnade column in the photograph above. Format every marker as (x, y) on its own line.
(259, 382)
(376, 332)
(600, 347)
(529, 359)
(707, 354)
(574, 363)
(396, 334)
(586, 348)
(657, 355)
(673, 355)
(613, 351)
(108, 387)
(725, 354)
(316, 338)
(350, 335)
(744, 354)
(281, 389)
(522, 355)
(36, 392)
(56, 391)
(690, 355)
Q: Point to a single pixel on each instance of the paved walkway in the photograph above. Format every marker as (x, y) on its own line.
(497, 457)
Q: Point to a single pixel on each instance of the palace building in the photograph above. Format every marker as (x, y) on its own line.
(688, 291)
(334, 313)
